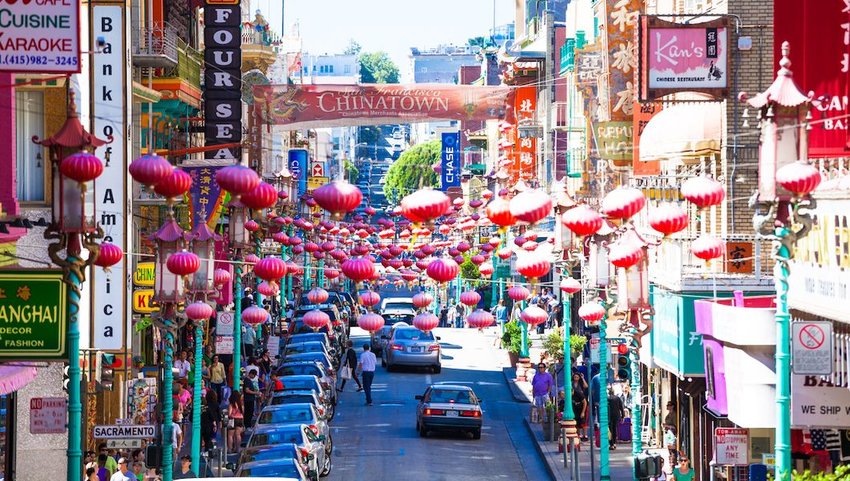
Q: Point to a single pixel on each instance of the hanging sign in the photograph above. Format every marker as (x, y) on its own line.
(33, 313)
(40, 36)
(450, 160)
(731, 446)
(48, 415)
(222, 78)
(811, 347)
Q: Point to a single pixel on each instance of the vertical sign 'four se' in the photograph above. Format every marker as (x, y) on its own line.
(222, 78)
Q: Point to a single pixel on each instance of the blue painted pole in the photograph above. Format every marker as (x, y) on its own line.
(783, 359)
(604, 462)
(167, 393)
(196, 397)
(237, 327)
(75, 405)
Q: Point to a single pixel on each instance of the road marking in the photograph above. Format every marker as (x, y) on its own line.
(428, 379)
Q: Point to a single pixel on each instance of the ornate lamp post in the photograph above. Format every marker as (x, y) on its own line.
(785, 181)
(73, 227)
(239, 238)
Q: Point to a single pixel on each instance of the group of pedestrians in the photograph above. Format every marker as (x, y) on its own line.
(351, 364)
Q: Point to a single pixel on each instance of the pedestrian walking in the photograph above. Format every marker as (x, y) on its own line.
(367, 367)
(580, 412)
(123, 473)
(235, 411)
(217, 376)
(252, 394)
(500, 312)
(348, 369)
(615, 415)
(542, 386)
(182, 365)
(210, 418)
(684, 472)
(185, 469)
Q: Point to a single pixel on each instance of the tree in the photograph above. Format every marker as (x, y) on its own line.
(353, 48)
(478, 42)
(412, 171)
(351, 170)
(377, 68)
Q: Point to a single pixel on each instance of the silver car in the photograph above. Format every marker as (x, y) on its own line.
(408, 346)
(449, 407)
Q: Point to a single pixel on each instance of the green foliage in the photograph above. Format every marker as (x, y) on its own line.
(554, 346)
(351, 171)
(841, 473)
(412, 171)
(378, 68)
(512, 338)
(577, 345)
(469, 271)
(353, 48)
(478, 42)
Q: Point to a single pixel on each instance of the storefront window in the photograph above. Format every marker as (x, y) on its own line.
(6, 441)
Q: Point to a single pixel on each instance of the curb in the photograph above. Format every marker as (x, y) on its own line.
(510, 378)
(553, 473)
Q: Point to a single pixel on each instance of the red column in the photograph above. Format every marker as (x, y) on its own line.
(8, 182)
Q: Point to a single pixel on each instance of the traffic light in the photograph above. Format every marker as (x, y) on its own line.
(105, 374)
(624, 365)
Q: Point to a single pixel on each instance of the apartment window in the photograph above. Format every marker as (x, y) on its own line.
(30, 162)
(346, 69)
(331, 68)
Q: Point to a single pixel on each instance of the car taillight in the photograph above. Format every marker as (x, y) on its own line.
(321, 411)
(397, 347)
(434, 347)
(305, 454)
(471, 414)
(314, 428)
(435, 412)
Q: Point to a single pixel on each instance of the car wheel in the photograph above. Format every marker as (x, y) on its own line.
(331, 412)
(330, 445)
(437, 369)
(476, 434)
(326, 469)
(423, 432)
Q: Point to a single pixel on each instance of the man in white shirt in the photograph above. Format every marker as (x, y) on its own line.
(183, 366)
(367, 366)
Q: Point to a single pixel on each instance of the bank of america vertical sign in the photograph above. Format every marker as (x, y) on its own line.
(110, 119)
(222, 78)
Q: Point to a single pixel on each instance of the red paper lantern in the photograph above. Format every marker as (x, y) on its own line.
(270, 268)
(519, 293)
(668, 218)
(623, 203)
(591, 312)
(150, 169)
(331, 273)
(443, 269)
(533, 266)
(370, 322)
(499, 212)
(470, 298)
(81, 166)
(369, 298)
(627, 251)
(358, 269)
(316, 319)
(109, 255)
(268, 288)
(425, 321)
(176, 184)
(486, 269)
(582, 220)
(533, 315)
(237, 179)
(317, 295)
(703, 192)
(422, 300)
(294, 269)
(260, 197)
(799, 178)
(221, 277)
(504, 253)
(254, 316)
(183, 263)
(252, 226)
(338, 198)
(199, 311)
(570, 285)
(425, 205)
(708, 247)
(251, 259)
(531, 206)
(480, 319)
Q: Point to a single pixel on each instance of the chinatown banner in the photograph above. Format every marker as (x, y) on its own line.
(312, 106)
(524, 164)
(819, 38)
(205, 195)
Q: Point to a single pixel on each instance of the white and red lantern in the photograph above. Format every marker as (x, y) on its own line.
(708, 247)
(531, 206)
(422, 300)
(582, 220)
(425, 321)
(370, 322)
(668, 218)
(703, 192)
(425, 205)
(443, 269)
(533, 265)
(623, 203)
(316, 319)
(519, 293)
(317, 295)
(255, 315)
(370, 298)
(480, 319)
(627, 251)
(470, 298)
(533, 315)
(800, 178)
(499, 212)
(591, 312)
(570, 285)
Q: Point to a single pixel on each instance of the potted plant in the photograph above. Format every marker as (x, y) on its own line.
(512, 341)
(549, 422)
(577, 345)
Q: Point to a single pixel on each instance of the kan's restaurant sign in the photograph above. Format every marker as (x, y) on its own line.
(819, 37)
(40, 36)
(309, 106)
(33, 315)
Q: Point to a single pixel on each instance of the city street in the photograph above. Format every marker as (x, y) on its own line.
(380, 442)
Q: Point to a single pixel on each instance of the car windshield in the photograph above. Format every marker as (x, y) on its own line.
(284, 453)
(413, 335)
(293, 399)
(398, 305)
(303, 369)
(393, 318)
(450, 396)
(277, 437)
(300, 327)
(301, 384)
(273, 470)
(277, 416)
(312, 347)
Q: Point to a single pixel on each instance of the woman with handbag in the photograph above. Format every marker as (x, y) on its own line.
(236, 418)
(347, 368)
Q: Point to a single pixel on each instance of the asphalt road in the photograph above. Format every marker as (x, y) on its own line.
(380, 442)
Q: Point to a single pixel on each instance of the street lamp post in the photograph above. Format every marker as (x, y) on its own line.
(73, 227)
(238, 239)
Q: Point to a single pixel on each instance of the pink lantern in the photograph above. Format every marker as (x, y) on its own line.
(268, 288)
(800, 178)
(338, 198)
(237, 179)
(331, 273)
(623, 202)
(533, 266)
(486, 269)
(582, 220)
(708, 247)
(470, 298)
(221, 277)
(533, 315)
(109, 255)
(499, 212)
(531, 206)
(519, 293)
(316, 319)
(370, 322)
(668, 218)
(150, 169)
(176, 184)
(425, 205)
(703, 192)
(443, 269)
(81, 166)
(270, 268)
(425, 321)
(260, 197)
(199, 311)
(480, 319)
(627, 251)
(358, 269)
(254, 316)
(422, 300)
(591, 312)
(183, 263)
(317, 295)
(570, 285)
(252, 226)
(294, 269)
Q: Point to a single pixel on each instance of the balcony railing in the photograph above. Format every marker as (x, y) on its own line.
(264, 38)
(189, 63)
(155, 46)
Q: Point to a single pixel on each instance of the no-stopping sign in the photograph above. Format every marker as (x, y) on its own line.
(812, 347)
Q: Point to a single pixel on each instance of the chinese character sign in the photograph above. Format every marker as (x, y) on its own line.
(524, 159)
(621, 24)
(205, 196)
(820, 61)
(450, 160)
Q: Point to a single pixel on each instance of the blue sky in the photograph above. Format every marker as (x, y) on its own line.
(392, 26)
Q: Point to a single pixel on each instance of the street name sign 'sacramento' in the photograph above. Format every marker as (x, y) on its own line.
(125, 432)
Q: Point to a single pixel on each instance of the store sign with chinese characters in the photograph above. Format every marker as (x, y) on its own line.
(524, 166)
(33, 315)
(617, 92)
(739, 257)
(206, 196)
